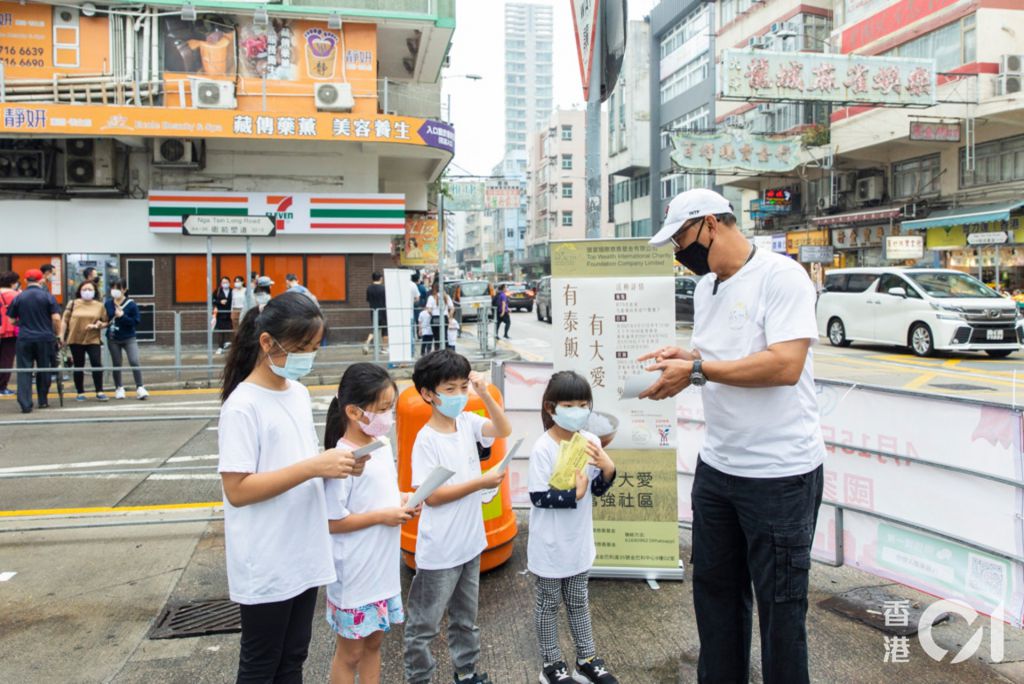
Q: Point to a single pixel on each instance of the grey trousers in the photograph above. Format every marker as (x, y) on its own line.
(458, 590)
(131, 348)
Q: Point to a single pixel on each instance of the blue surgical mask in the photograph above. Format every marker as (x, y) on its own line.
(452, 404)
(571, 418)
(297, 365)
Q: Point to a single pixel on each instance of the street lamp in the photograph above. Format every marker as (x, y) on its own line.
(468, 77)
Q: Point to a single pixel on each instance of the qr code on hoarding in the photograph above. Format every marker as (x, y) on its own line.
(986, 576)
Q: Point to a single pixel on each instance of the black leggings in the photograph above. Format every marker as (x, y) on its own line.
(78, 352)
(275, 640)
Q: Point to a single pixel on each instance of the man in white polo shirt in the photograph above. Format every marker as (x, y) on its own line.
(758, 483)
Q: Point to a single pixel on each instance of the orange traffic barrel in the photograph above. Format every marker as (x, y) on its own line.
(499, 519)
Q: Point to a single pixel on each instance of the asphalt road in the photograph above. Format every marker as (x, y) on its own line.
(965, 375)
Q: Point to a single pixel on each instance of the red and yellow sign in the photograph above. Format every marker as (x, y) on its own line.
(805, 238)
(163, 122)
(37, 41)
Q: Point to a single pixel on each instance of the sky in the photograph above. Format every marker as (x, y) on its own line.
(478, 47)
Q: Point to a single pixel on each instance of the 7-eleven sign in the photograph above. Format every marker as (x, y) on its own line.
(584, 19)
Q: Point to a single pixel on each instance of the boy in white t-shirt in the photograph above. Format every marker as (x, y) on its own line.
(451, 533)
(426, 331)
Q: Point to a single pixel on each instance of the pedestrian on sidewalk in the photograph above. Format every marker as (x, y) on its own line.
(376, 298)
(277, 542)
(502, 313)
(758, 483)
(426, 332)
(83, 320)
(292, 283)
(237, 302)
(222, 302)
(8, 330)
(123, 314)
(37, 315)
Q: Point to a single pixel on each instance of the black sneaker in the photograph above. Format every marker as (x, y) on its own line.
(475, 679)
(556, 673)
(595, 672)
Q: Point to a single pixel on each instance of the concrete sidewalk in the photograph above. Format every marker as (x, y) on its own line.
(83, 600)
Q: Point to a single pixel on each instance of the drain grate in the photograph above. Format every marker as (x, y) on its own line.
(180, 619)
(869, 605)
(960, 387)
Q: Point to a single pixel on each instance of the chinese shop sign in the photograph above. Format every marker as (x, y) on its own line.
(613, 301)
(734, 149)
(929, 131)
(853, 79)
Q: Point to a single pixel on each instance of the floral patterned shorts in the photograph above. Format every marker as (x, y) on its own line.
(359, 623)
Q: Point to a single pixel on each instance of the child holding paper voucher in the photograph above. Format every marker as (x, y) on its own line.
(568, 468)
(451, 533)
(365, 518)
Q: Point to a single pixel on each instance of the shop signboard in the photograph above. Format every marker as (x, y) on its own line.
(816, 254)
(162, 122)
(930, 131)
(229, 226)
(610, 298)
(797, 239)
(856, 238)
(465, 196)
(422, 241)
(735, 149)
(998, 237)
(749, 74)
(779, 243)
(904, 247)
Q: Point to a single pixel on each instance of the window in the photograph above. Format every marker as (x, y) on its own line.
(323, 274)
(694, 120)
(952, 46)
(21, 263)
(622, 230)
(140, 277)
(326, 277)
(998, 161)
(566, 218)
(567, 161)
(860, 282)
(641, 228)
(686, 77)
(566, 132)
(680, 182)
(916, 177)
(567, 190)
(692, 26)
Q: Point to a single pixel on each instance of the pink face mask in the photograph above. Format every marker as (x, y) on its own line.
(380, 423)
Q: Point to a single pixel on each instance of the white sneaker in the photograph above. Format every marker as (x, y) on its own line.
(219, 351)
(119, 393)
(141, 393)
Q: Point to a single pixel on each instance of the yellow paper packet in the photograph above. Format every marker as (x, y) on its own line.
(572, 456)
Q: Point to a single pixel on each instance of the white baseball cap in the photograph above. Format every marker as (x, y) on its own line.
(687, 206)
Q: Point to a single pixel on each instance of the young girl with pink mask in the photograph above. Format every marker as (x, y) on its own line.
(365, 517)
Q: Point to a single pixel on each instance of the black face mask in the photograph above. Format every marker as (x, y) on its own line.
(695, 255)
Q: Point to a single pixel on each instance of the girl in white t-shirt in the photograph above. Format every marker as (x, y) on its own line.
(275, 513)
(366, 516)
(561, 550)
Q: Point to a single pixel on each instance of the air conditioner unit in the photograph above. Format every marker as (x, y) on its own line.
(765, 108)
(1011, 64)
(89, 163)
(1009, 84)
(334, 97)
(792, 27)
(764, 42)
(734, 121)
(207, 94)
(776, 26)
(847, 182)
(22, 167)
(869, 189)
(175, 152)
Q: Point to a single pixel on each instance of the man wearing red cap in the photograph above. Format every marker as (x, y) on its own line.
(37, 314)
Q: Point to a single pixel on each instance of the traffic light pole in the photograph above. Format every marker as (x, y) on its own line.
(593, 142)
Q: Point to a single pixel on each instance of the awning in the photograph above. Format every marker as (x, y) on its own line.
(857, 217)
(960, 216)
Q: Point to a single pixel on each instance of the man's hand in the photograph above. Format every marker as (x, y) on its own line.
(668, 353)
(675, 377)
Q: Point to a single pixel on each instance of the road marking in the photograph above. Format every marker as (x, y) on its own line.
(31, 512)
(6, 576)
(103, 464)
(189, 476)
(920, 381)
(951, 363)
(905, 367)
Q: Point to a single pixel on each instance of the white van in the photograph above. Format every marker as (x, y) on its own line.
(922, 308)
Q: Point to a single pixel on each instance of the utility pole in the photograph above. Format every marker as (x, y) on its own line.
(593, 142)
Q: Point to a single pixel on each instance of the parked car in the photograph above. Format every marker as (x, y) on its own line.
(520, 296)
(469, 297)
(685, 285)
(924, 309)
(542, 300)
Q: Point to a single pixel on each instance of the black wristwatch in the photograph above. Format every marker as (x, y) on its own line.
(697, 377)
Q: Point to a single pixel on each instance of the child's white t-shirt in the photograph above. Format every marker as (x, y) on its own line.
(278, 548)
(452, 534)
(425, 329)
(561, 541)
(368, 561)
